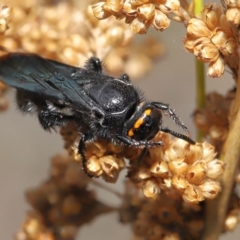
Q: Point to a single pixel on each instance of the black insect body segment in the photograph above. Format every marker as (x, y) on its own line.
(98, 104)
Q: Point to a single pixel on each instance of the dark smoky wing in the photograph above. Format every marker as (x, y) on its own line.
(47, 78)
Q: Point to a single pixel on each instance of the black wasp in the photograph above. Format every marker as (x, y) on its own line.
(99, 105)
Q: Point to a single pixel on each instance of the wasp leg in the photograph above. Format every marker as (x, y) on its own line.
(94, 64)
(81, 149)
(50, 119)
(132, 142)
(176, 134)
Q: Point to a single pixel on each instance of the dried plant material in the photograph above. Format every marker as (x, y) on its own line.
(61, 204)
(73, 38)
(140, 15)
(211, 39)
(165, 217)
(192, 170)
(213, 119)
(189, 169)
(233, 11)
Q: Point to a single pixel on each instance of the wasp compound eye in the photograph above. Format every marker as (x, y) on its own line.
(100, 106)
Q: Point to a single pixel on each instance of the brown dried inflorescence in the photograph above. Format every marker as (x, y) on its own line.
(61, 204)
(139, 14)
(211, 38)
(191, 170)
(213, 120)
(162, 218)
(75, 36)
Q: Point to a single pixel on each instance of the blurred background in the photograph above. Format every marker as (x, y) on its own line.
(26, 150)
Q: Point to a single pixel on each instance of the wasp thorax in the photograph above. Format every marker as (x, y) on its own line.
(146, 126)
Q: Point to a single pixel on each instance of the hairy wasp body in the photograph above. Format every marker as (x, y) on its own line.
(99, 105)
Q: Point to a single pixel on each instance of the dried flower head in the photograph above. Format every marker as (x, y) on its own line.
(75, 37)
(61, 204)
(211, 38)
(139, 14)
(213, 119)
(165, 217)
(191, 170)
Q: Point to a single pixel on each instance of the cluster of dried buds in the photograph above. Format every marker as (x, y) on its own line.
(167, 217)
(61, 204)
(211, 38)
(140, 14)
(233, 11)
(191, 170)
(76, 36)
(213, 120)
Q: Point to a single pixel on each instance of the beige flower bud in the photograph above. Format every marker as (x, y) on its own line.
(3, 25)
(99, 11)
(232, 3)
(210, 189)
(179, 183)
(94, 166)
(230, 47)
(151, 189)
(193, 194)
(169, 6)
(139, 2)
(233, 15)
(211, 15)
(138, 25)
(215, 168)
(129, 9)
(159, 168)
(178, 167)
(189, 43)
(197, 173)
(114, 36)
(143, 174)
(198, 28)
(218, 133)
(5, 12)
(216, 69)
(206, 52)
(220, 37)
(146, 11)
(110, 164)
(113, 5)
(208, 152)
(160, 20)
(231, 222)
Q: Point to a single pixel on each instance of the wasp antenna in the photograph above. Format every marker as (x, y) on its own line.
(176, 134)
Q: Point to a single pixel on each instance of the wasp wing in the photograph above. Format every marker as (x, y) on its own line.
(47, 78)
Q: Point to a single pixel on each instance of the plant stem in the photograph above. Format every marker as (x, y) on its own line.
(200, 74)
(201, 92)
(216, 209)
